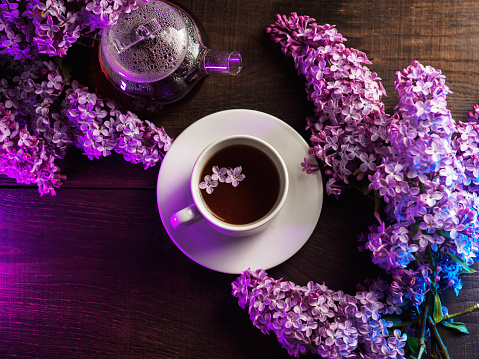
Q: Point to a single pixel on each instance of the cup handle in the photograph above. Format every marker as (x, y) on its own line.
(185, 217)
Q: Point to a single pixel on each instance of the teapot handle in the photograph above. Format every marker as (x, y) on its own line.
(141, 33)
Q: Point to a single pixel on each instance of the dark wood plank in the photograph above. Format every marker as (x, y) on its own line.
(104, 279)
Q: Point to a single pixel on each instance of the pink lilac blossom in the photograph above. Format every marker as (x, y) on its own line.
(41, 116)
(314, 318)
(208, 184)
(50, 27)
(234, 176)
(219, 174)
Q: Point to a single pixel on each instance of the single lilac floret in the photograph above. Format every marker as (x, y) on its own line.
(209, 184)
(219, 174)
(235, 176)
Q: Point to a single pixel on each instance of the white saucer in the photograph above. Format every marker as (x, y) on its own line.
(288, 232)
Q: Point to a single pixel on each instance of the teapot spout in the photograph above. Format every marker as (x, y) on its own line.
(221, 62)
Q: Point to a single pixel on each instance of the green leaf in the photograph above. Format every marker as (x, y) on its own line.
(443, 233)
(414, 230)
(464, 265)
(437, 311)
(459, 326)
(413, 344)
(64, 67)
(365, 189)
(390, 318)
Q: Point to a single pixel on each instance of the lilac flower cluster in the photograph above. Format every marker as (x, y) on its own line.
(41, 116)
(419, 161)
(349, 127)
(223, 174)
(101, 127)
(316, 319)
(33, 134)
(429, 205)
(465, 140)
(50, 27)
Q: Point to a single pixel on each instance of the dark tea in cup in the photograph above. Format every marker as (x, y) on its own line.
(254, 197)
(243, 201)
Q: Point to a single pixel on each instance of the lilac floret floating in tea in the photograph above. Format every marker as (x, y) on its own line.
(219, 173)
(223, 174)
(234, 176)
(208, 184)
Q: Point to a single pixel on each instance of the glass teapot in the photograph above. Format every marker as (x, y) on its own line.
(155, 55)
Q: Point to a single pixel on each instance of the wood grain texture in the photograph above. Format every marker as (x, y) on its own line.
(91, 273)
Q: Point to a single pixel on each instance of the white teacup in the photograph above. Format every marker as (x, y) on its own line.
(246, 208)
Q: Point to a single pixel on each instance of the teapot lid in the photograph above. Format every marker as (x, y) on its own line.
(147, 44)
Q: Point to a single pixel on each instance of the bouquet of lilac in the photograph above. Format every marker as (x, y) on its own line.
(50, 27)
(418, 161)
(42, 115)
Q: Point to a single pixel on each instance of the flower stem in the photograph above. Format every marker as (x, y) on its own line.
(422, 333)
(404, 324)
(442, 348)
(468, 310)
(433, 354)
(377, 201)
(422, 349)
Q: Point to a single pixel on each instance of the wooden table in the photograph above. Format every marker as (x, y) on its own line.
(91, 272)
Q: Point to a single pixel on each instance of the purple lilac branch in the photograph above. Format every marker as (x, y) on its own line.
(101, 127)
(29, 28)
(430, 202)
(418, 160)
(41, 116)
(465, 142)
(316, 319)
(349, 127)
(33, 134)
